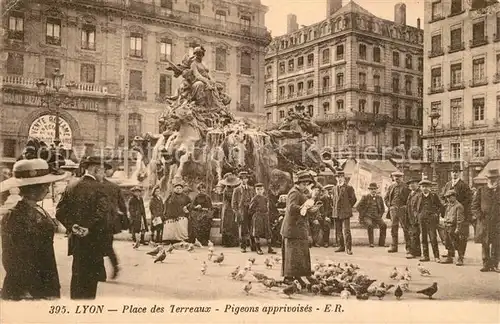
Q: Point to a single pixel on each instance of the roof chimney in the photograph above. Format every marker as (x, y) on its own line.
(291, 23)
(332, 6)
(400, 13)
(418, 23)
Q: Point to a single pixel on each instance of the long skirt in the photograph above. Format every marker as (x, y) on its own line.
(296, 258)
(200, 225)
(229, 227)
(176, 229)
(260, 226)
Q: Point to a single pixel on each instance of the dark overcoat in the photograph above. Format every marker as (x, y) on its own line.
(463, 194)
(295, 226)
(241, 201)
(156, 207)
(437, 207)
(28, 253)
(346, 199)
(411, 207)
(84, 202)
(486, 209)
(137, 214)
(363, 206)
(118, 219)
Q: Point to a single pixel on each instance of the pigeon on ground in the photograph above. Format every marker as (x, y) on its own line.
(210, 244)
(406, 274)
(405, 285)
(161, 257)
(190, 247)
(423, 271)
(248, 287)
(241, 274)
(235, 272)
(170, 248)
(155, 251)
(197, 243)
(252, 260)
(268, 263)
(345, 294)
(219, 259)
(204, 268)
(291, 289)
(315, 289)
(429, 291)
(153, 244)
(394, 274)
(398, 292)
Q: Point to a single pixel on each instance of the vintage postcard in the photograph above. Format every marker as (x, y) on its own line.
(250, 161)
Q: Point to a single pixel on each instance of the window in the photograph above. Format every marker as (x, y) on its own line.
(339, 138)
(220, 59)
(478, 70)
(395, 83)
(340, 80)
(134, 125)
(326, 108)
(456, 112)
(478, 109)
(310, 110)
(16, 26)
(245, 22)
(300, 62)
(165, 87)
(395, 137)
(15, 64)
(282, 67)
(87, 73)
(269, 117)
(362, 139)
(362, 51)
(269, 94)
(326, 56)
(340, 105)
(436, 10)
(408, 86)
(408, 110)
(165, 49)
(436, 47)
(291, 90)
(340, 52)
(376, 83)
(300, 88)
(246, 63)
(478, 32)
(135, 45)
(9, 148)
(455, 151)
(376, 107)
(245, 99)
(395, 58)
(166, 4)
(362, 105)
(135, 80)
(220, 16)
(310, 86)
(362, 80)
(456, 74)
(456, 6)
(456, 39)
(326, 83)
(50, 66)
(420, 64)
(409, 61)
(408, 141)
(88, 37)
(291, 65)
(478, 148)
(53, 29)
(376, 139)
(420, 87)
(194, 10)
(395, 111)
(436, 78)
(282, 114)
(376, 54)
(310, 60)
(281, 92)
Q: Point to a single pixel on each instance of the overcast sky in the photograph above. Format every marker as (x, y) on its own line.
(312, 11)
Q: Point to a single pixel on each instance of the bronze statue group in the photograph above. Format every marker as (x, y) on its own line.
(92, 209)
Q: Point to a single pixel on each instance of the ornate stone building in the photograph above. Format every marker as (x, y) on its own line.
(117, 52)
(462, 83)
(359, 76)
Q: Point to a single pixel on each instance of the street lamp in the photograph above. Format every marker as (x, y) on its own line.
(435, 115)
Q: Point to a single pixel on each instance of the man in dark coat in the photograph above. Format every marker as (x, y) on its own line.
(414, 230)
(138, 222)
(242, 195)
(84, 210)
(117, 218)
(486, 209)
(326, 212)
(346, 199)
(428, 208)
(294, 230)
(395, 200)
(463, 195)
(371, 209)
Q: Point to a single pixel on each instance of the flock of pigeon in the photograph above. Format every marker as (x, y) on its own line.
(328, 278)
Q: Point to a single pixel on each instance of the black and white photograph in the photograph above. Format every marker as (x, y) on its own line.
(277, 161)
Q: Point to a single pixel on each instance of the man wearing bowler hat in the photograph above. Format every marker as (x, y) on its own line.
(83, 210)
(486, 209)
(371, 209)
(395, 200)
(346, 199)
(242, 195)
(414, 230)
(462, 193)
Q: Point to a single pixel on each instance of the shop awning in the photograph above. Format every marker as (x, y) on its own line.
(481, 177)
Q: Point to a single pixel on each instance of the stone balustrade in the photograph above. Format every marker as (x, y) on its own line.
(30, 83)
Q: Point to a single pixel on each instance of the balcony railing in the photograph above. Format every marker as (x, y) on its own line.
(137, 95)
(456, 86)
(409, 92)
(478, 42)
(436, 52)
(436, 89)
(455, 47)
(478, 82)
(310, 91)
(30, 84)
(496, 78)
(376, 88)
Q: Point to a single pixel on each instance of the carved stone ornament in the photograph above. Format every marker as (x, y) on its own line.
(54, 12)
(87, 19)
(136, 29)
(193, 40)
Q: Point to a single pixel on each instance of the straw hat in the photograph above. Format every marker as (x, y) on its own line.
(230, 180)
(31, 172)
(397, 174)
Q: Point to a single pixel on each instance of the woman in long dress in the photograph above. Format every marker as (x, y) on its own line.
(28, 235)
(229, 225)
(201, 216)
(176, 225)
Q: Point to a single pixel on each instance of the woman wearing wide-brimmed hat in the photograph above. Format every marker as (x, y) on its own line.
(229, 224)
(28, 234)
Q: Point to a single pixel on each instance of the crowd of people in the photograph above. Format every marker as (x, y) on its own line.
(93, 209)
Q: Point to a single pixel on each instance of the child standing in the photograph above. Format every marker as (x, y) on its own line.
(454, 224)
(259, 215)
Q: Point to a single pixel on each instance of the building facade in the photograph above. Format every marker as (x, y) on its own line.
(359, 77)
(117, 52)
(462, 81)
